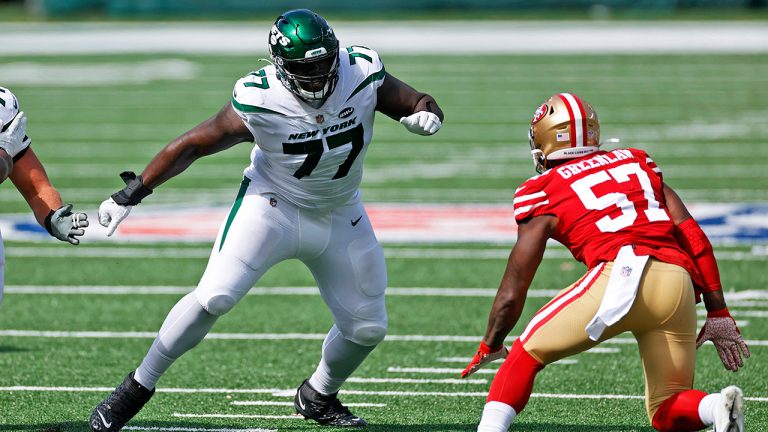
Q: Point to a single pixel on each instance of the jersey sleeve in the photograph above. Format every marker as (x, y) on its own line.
(531, 199)
(643, 156)
(368, 63)
(249, 99)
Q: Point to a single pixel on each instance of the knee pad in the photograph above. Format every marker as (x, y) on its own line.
(218, 304)
(368, 334)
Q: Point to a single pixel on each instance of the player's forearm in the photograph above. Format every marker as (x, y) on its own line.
(6, 165)
(504, 315)
(428, 103)
(170, 162)
(46, 199)
(714, 300)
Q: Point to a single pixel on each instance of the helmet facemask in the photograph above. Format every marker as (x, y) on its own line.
(539, 159)
(312, 79)
(305, 52)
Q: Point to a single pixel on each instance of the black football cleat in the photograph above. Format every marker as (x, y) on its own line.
(120, 406)
(324, 409)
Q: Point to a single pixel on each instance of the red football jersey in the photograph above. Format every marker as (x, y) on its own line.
(604, 201)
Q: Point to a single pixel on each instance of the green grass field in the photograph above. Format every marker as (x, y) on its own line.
(702, 118)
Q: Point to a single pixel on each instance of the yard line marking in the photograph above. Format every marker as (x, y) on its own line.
(389, 252)
(396, 369)
(279, 403)
(417, 380)
(188, 429)
(291, 392)
(280, 336)
(242, 416)
(313, 291)
(431, 370)
(159, 390)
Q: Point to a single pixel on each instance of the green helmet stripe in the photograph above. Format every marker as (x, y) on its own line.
(253, 108)
(371, 78)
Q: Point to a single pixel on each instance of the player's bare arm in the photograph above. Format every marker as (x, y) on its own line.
(32, 181)
(417, 111)
(6, 165)
(218, 133)
(522, 264)
(397, 99)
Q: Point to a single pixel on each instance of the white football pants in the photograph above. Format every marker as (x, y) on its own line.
(262, 229)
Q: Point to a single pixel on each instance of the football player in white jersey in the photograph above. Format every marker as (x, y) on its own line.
(19, 163)
(310, 115)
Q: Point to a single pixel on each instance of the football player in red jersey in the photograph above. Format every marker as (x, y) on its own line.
(648, 260)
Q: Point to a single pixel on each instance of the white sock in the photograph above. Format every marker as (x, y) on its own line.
(340, 358)
(184, 327)
(707, 408)
(497, 417)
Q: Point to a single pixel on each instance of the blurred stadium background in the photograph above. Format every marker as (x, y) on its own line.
(106, 83)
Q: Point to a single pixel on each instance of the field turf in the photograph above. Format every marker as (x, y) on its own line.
(74, 321)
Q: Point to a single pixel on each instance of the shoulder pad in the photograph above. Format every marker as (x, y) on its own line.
(251, 95)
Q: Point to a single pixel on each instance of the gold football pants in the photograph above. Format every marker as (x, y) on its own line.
(662, 319)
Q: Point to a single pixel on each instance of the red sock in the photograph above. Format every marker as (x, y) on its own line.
(680, 412)
(513, 383)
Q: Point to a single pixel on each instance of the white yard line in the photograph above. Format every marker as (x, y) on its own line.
(417, 381)
(280, 336)
(243, 416)
(312, 291)
(189, 429)
(285, 392)
(456, 371)
(389, 252)
(290, 404)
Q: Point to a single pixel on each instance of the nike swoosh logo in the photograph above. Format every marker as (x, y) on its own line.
(301, 404)
(103, 420)
(354, 222)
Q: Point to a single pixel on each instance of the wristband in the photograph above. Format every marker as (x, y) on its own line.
(720, 313)
(134, 190)
(48, 222)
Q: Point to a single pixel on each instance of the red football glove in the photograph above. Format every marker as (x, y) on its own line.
(721, 329)
(485, 354)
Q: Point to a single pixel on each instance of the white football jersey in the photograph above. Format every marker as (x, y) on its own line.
(311, 156)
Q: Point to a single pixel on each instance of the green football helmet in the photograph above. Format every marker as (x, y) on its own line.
(305, 53)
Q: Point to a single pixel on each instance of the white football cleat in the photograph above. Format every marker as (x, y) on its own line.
(729, 413)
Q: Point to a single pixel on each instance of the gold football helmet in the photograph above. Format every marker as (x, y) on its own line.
(563, 127)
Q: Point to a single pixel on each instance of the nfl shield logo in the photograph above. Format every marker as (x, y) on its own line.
(626, 271)
(320, 118)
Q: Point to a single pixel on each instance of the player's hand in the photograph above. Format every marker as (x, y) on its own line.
(422, 123)
(12, 139)
(484, 354)
(721, 329)
(65, 225)
(112, 213)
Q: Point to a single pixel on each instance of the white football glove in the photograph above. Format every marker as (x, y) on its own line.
(111, 214)
(422, 123)
(12, 139)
